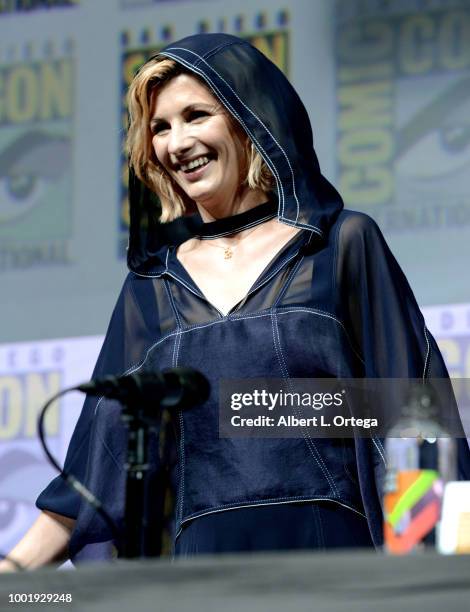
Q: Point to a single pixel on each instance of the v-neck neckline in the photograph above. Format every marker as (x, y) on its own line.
(178, 270)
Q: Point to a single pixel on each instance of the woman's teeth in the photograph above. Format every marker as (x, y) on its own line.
(195, 163)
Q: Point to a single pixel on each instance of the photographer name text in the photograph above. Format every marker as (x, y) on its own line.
(293, 421)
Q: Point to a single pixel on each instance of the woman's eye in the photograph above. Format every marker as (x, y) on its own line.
(196, 114)
(157, 128)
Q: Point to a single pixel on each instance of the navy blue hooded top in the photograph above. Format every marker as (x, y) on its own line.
(333, 303)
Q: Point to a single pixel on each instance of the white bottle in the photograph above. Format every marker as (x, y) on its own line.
(421, 459)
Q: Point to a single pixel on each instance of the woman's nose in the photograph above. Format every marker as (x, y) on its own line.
(180, 141)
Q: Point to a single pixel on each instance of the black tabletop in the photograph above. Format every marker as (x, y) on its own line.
(326, 582)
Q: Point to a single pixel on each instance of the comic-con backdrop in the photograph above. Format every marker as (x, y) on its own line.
(387, 87)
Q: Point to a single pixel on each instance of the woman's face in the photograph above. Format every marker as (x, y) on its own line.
(196, 144)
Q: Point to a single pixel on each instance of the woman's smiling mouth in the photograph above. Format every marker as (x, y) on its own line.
(195, 163)
(193, 169)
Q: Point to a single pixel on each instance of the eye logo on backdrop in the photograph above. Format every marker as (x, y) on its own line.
(36, 111)
(268, 32)
(403, 114)
(29, 376)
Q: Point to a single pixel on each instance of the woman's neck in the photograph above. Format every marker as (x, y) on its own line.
(240, 203)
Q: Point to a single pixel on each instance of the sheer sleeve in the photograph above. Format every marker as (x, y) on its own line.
(381, 313)
(89, 458)
(379, 306)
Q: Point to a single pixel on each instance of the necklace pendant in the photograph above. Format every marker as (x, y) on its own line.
(228, 253)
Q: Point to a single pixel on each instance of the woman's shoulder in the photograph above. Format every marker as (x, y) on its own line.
(139, 285)
(352, 220)
(356, 228)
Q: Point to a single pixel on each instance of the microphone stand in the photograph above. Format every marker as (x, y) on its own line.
(148, 398)
(147, 508)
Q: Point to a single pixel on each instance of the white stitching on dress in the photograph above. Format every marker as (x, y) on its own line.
(275, 501)
(329, 316)
(181, 449)
(305, 434)
(172, 275)
(182, 466)
(316, 311)
(303, 225)
(100, 399)
(110, 453)
(286, 284)
(376, 443)
(219, 48)
(198, 326)
(379, 442)
(283, 264)
(279, 358)
(260, 283)
(179, 326)
(177, 333)
(428, 353)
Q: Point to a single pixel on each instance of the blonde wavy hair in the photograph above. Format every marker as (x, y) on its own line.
(142, 158)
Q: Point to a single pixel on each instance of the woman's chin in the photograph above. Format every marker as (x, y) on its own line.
(212, 208)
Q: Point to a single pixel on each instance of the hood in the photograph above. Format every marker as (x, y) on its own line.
(258, 95)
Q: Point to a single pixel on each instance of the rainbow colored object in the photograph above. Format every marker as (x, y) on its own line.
(412, 509)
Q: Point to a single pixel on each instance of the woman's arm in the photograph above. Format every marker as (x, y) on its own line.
(45, 542)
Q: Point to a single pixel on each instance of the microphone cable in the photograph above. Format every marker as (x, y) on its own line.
(182, 386)
(70, 479)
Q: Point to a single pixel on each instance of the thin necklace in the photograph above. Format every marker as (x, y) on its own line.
(229, 249)
(229, 226)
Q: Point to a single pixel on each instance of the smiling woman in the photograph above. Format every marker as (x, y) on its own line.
(276, 281)
(194, 153)
(200, 149)
(163, 85)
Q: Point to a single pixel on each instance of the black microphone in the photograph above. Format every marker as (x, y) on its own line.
(176, 387)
